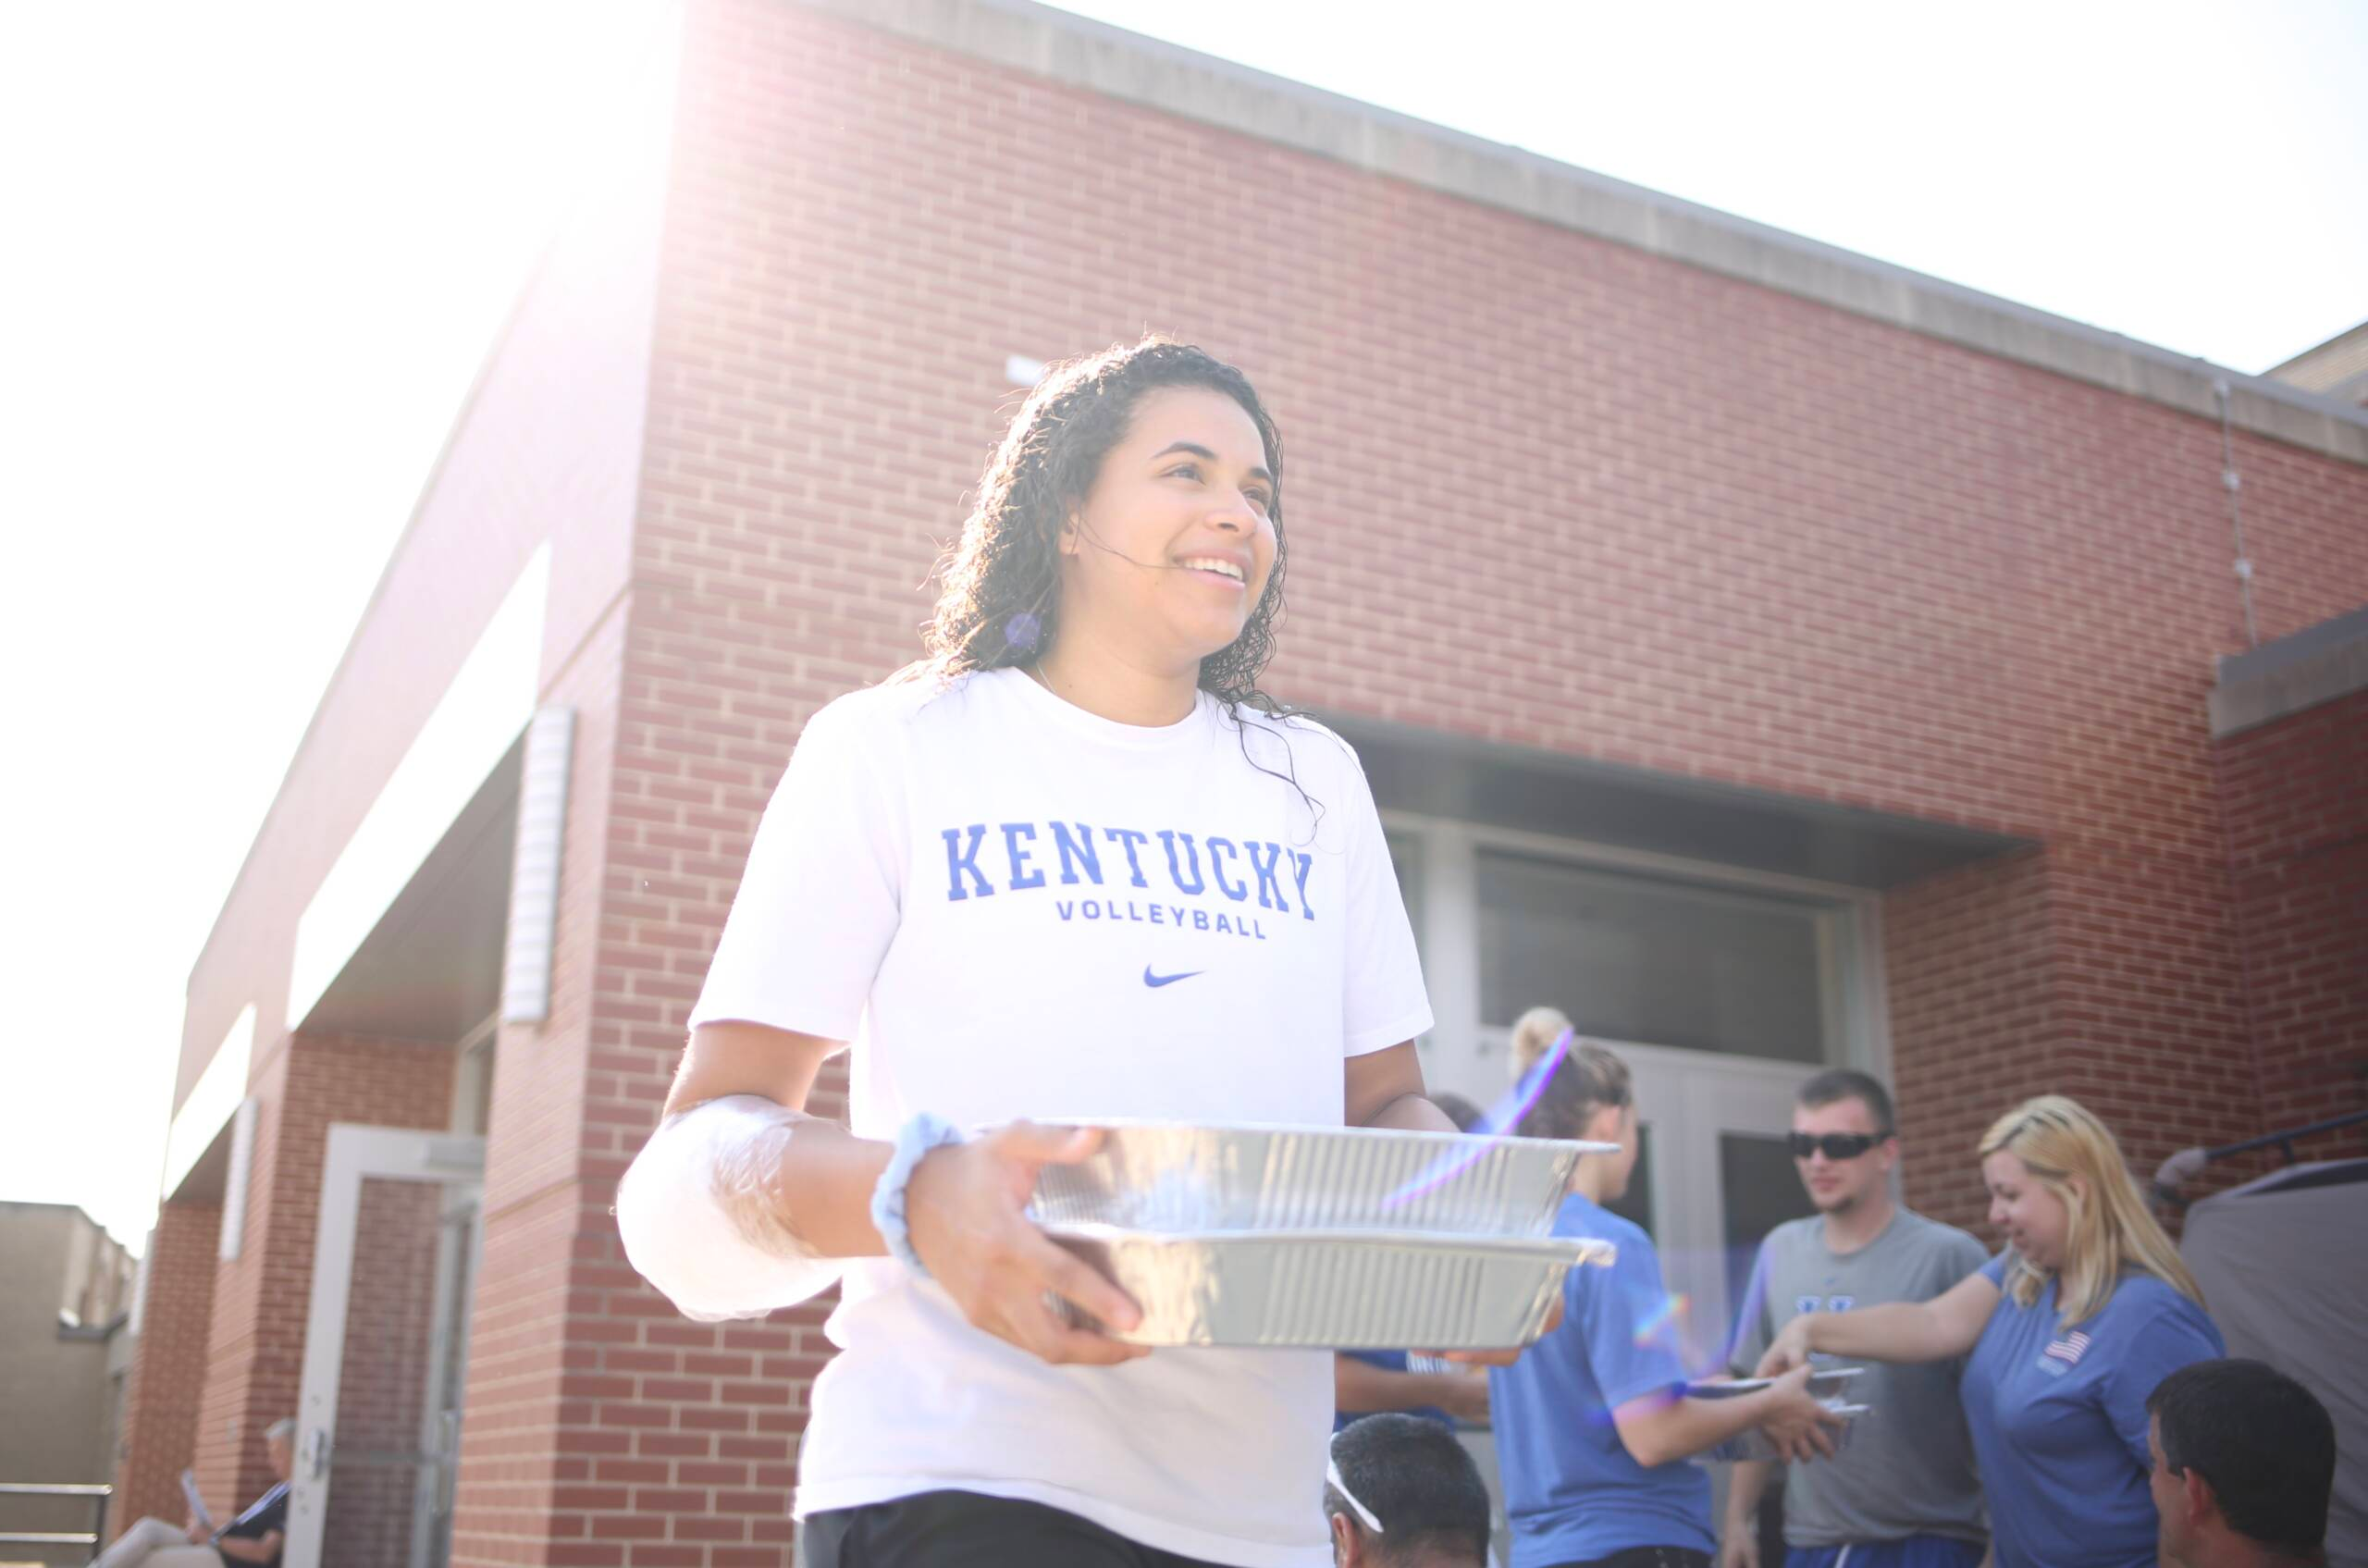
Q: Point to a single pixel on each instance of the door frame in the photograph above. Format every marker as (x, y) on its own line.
(356, 1153)
(1689, 1097)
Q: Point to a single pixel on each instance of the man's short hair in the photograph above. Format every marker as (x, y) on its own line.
(1412, 1474)
(2263, 1442)
(1849, 1083)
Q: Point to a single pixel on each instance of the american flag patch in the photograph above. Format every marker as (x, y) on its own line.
(2069, 1349)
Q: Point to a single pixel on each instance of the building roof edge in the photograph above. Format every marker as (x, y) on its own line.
(1078, 52)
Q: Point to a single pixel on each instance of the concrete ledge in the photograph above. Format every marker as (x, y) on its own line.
(2327, 661)
(1100, 58)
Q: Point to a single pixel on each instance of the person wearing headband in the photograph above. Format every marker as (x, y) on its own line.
(1400, 1492)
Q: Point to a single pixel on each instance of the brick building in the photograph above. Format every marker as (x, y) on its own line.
(65, 1293)
(1771, 656)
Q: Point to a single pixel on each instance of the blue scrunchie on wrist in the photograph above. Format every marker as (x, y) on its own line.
(916, 1138)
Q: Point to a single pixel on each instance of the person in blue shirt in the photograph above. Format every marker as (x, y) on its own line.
(2070, 1329)
(1385, 1382)
(1594, 1430)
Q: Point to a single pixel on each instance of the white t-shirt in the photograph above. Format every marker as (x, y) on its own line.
(1014, 908)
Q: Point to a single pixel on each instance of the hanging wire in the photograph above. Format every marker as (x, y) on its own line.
(2230, 482)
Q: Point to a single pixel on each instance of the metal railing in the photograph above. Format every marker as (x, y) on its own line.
(98, 1496)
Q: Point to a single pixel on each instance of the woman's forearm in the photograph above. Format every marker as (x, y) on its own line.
(1898, 1331)
(737, 1206)
(1657, 1430)
(827, 1176)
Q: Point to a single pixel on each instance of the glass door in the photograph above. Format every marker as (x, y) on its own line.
(1714, 1178)
(385, 1349)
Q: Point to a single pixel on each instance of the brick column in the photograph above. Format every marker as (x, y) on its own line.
(2294, 795)
(168, 1366)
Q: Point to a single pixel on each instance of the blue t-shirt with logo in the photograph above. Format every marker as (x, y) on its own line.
(1571, 1490)
(2059, 1418)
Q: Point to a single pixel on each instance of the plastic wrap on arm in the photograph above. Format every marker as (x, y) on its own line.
(702, 1216)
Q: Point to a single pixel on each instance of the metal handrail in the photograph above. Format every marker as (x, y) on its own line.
(2284, 1141)
(98, 1494)
(2176, 1171)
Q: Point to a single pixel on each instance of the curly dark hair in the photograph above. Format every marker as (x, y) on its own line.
(999, 602)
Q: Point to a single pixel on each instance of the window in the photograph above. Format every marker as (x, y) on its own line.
(1656, 962)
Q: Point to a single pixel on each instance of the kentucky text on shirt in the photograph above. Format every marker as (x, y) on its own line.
(1071, 853)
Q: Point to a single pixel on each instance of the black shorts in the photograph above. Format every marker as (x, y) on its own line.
(966, 1530)
(1648, 1557)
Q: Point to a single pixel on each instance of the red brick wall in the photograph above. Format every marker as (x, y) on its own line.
(167, 1376)
(537, 1325)
(1972, 964)
(2296, 796)
(255, 1352)
(1545, 489)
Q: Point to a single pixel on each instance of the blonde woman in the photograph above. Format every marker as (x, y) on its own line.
(2069, 1330)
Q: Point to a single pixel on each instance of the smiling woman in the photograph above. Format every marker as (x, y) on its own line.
(1130, 483)
(1073, 865)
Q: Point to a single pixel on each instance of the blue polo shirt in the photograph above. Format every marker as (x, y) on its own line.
(2059, 1418)
(1571, 1490)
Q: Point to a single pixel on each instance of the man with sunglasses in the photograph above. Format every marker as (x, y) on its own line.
(1902, 1494)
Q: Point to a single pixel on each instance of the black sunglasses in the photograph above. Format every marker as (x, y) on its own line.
(1836, 1145)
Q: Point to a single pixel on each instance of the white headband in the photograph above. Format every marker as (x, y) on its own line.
(1332, 1474)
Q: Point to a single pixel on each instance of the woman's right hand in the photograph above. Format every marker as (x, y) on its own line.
(1801, 1428)
(1788, 1350)
(965, 1213)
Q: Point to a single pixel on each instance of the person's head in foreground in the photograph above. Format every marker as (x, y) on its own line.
(1842, 1142)
(2244, 1461)
(1133, 512)
(2062, 1195)
(1401, 1493)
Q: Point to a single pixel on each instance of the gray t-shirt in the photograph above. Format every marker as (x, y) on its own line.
(1908, 1468)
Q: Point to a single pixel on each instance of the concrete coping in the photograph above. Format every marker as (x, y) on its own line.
(2315, 665)
(1094, 55)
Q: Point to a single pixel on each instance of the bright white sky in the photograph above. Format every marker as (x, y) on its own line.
(256, 251)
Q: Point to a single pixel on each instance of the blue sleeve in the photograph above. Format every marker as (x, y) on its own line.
(1627, 1324)
(2174, 1334)
(1996, 1269)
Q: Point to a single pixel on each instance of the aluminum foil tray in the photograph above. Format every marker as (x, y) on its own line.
(1825, 1383)
(1344, 1289)
(1173, 1178)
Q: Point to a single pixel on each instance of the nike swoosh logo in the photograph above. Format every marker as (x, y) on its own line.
(1157, 980)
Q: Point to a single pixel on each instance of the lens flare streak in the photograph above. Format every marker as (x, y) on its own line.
(1497, 1121)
